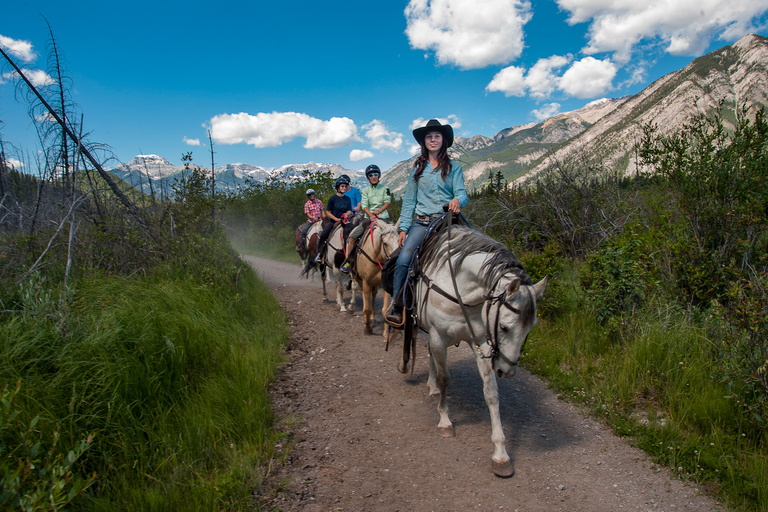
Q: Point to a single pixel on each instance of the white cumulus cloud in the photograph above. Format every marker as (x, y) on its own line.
(18, 48)
(546, 111)
(191, 142)
(468, 35)
(684, 27)
(510, 81)
(540, 81)
(452, 120)
(38, 77)
(380, 136)
(588, 78)
(265, 130)
(359, 154)
(18, 164)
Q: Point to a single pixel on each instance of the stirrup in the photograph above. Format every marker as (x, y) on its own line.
(388, 319)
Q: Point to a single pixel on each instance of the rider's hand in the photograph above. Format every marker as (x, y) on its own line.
(454, 206)
(401, 239)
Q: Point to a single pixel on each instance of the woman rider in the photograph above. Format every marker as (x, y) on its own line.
(435, 180)
(339, 207)
(374, 202)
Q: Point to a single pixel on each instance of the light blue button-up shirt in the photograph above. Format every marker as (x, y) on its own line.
(430, 193)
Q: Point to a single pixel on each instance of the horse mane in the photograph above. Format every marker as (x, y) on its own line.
(466, 241)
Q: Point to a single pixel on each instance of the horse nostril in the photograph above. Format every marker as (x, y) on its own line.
(500, 374)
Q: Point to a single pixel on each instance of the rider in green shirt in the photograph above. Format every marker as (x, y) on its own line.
(375, 201)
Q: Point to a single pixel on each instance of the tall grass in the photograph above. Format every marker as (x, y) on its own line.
(169, 374)
(652, 378)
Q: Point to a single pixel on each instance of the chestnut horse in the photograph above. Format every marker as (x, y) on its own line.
(374, 248)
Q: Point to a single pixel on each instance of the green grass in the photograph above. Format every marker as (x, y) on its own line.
(653, 379)
(170, 375)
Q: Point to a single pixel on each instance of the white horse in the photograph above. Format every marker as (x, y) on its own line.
(471, 288)
(333, 258)
(376, 244)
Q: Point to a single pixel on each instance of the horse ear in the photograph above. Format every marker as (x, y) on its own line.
(397, 224)
(538, 288)
(513, 287)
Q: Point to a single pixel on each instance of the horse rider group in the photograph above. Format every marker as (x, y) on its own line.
(434, 181)
(345, 207)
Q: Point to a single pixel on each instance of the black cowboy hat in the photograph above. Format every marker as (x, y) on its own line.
(433, 125)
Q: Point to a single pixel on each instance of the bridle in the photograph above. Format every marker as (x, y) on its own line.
(387, 254)
(490, 301)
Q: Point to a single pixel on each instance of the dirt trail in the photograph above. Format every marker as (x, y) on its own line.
(364, 437)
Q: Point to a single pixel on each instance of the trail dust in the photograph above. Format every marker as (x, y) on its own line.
(363, 437)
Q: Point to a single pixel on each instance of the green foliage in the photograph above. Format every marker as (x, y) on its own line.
(33, 478)
(616, 277)
(549, 263)
(171, 373)
(718, 178)
(741, 341)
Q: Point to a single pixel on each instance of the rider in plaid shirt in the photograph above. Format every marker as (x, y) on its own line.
(314, 210)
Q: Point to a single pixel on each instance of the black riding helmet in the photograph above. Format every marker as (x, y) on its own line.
(371, 169)
(341, 180)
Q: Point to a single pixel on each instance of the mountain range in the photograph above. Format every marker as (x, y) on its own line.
(605, 131)
(230, 176)
(608, 130)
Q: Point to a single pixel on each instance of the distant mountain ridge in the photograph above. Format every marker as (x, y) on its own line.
(735, 74)
(608, 130)
(511, 149)
(228, 176)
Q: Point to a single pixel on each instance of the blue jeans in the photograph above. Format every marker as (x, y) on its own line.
(412, 241)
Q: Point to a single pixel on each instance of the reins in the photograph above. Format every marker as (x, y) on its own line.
(488, 299)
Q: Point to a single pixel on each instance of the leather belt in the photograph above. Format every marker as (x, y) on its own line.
(425, 218)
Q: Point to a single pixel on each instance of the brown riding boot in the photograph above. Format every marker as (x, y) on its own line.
(395, 317)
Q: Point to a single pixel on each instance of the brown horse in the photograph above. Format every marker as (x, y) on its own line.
(375, 246)
(308, 248)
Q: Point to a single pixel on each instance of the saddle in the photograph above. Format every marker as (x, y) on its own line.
(405, 298)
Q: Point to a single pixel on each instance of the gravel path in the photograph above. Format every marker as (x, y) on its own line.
(363, 437)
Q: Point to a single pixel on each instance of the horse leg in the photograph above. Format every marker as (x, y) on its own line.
(439, 380)
(369, 295)
(339, 290)
(500, 459)
(324, 277)
(353, 288)
(386, 298)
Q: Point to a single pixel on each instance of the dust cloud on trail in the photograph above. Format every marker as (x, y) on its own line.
(278, 273)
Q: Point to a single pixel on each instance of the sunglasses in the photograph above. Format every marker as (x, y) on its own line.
(372, 174)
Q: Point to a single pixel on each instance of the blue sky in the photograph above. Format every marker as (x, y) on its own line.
(345, 81)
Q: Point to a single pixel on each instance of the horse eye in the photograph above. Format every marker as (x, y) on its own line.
(504, 328)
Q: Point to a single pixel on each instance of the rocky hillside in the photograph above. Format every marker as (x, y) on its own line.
(513, 149)
(735, 74)
(608, 130)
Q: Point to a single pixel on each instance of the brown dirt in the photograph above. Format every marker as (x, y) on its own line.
(363, 437)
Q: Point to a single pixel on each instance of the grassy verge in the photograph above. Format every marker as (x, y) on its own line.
(169, 376)
(652, 378)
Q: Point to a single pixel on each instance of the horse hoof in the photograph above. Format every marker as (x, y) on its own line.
(502, 469)
(447, 431)
(402, 368)
(367, 331)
